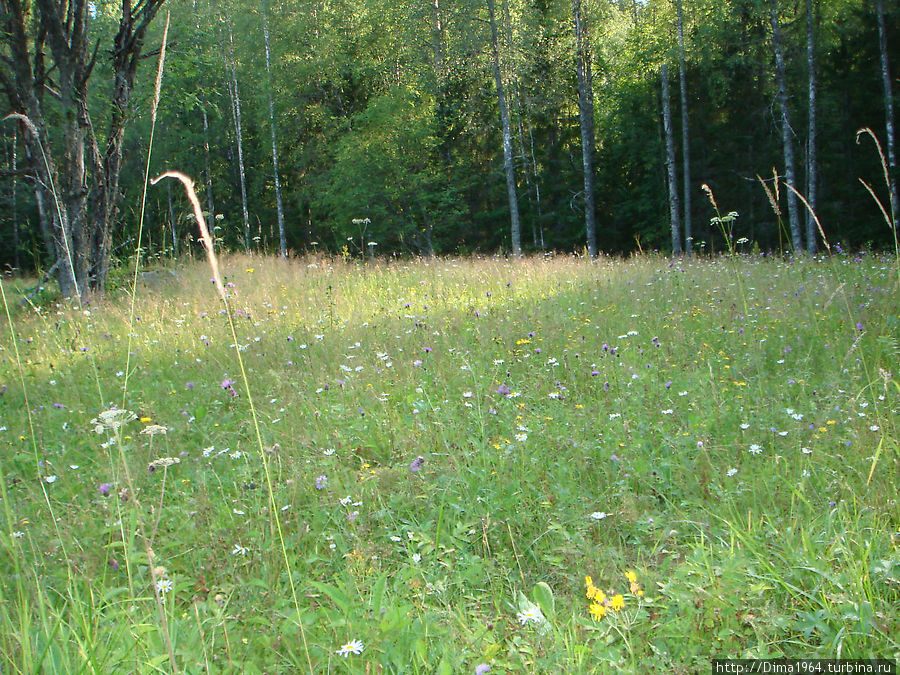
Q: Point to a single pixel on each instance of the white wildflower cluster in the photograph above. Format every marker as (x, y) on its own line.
(112, 420)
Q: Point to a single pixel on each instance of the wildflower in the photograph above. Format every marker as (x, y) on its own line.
(49, 479)
(617, 602)
(530, 615)
(164, 585)
(346, 500)
(599, 515)
(731, 472)
(598, 610)
(631, 576)
(417, 463)
(162, 462)
(352, 647)
(321, 482)
(755, 449)
(521, 437)
(112, 420)
(154, 430)
(105, 488)
(482, 668)
(239, 550)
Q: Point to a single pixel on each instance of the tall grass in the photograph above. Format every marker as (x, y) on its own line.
(439, 452)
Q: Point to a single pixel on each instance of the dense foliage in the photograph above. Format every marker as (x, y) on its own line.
(386, 114)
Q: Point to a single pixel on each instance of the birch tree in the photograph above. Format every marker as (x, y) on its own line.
(235, 96)
(685, 133)
(586, 118)
(888, 114)
(508, 168)
(812, 168)
(674, 205)
(204, 103)
(786, 131)
(279, 206)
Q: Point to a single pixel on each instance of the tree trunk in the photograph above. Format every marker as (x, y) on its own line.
(786, 131)
(235, 96)
(76, 182)
(685, 136)
(531, 187)
(172, 219)
(210, 201)
(515, 223)
(586, 116)
(279, 206)
(888, 115)
(17, 260)
(674, 205)
(812, 169)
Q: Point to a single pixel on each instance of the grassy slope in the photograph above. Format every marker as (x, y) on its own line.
(724, 413)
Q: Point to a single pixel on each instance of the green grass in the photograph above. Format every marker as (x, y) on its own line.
(734, 418)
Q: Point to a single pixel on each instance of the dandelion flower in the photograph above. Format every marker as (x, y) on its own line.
(352, 647)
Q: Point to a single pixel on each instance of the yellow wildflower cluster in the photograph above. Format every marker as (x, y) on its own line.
(601, 603)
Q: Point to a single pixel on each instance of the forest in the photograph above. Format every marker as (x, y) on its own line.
(422, 127)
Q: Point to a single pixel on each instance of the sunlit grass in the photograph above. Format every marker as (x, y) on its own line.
(454, 445)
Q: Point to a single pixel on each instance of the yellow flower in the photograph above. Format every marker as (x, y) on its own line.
(588, 581)
(631, 576)
(598, 611)
(617, 602)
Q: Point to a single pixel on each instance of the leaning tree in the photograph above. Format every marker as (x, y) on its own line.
(48, 54)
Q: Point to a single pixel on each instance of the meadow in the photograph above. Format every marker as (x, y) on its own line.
(547, 465)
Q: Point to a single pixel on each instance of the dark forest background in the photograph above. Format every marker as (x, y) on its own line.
(387, 126)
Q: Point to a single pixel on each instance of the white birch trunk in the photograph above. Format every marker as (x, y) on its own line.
(236, 116)
(674, 205)
(685, 136)
(786, 131)
(812, 169)
(279, 206)
(509, 170)
(586, 116)
(888, 115)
